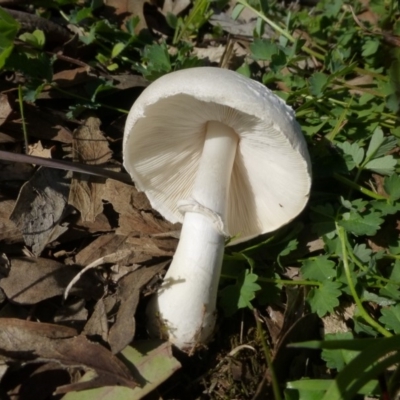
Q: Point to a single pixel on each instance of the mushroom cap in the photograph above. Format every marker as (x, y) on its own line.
(165, 133)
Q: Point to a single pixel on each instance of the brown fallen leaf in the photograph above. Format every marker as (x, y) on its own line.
(175, 6)
(5, 108)
(38, 150)
(45, 123)
(136, 216)
(305, 328)
(30, 341)
(100, 247)
(274, 323)
(32, 280)
(44, 380)
(128, 81)
(243, 26)
(129, 289)
(20, 329)
(154, 246)
(100, 224)
(8, 229)
(72, 313)
(128, 8)
(75, 80)
(41, 206)
(113, 258)
(97, 324)
(15, 171)
(142, 249)
(72, 77)
(151, 362)
(89, 147)
(9, 138)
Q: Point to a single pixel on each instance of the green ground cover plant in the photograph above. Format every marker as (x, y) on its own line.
(337, 63)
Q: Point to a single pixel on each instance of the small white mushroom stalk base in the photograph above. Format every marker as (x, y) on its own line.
(184, 309)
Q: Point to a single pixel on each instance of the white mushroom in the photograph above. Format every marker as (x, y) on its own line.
(222, 154)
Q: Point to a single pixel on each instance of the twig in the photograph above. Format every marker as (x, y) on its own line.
(21, 110)
(110, 258)
(65, 165)
(30, 22)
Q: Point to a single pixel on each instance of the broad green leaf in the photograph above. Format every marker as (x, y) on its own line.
(79, 15)
(394, 248)
(376, 141)
(354, 154)
(248, 289)
(291, 246)
(323, 220)
(331, 8)
(117, 49)
(158, 61)
(240, 295)
(244, 70)
(360, 225)
(359, 204)
(370, 47)
(325, 298)
(384, 165)
(388, 144)
(391, 291)
(346, 203)
(36, 39)
(131, 25)
(374, 298)
(333, 246)
(88, 37)
(278, 61)
(262, 49)
(318, 268)
(112, 67)
(384, 207)
(395, 273)
(362, 252)
(392, 186)
(379, 8)
(391, 318)
(338, 358)
(4, 54)
(317, 83)
(9, 28)
(362, 328)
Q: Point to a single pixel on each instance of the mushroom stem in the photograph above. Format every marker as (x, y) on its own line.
(184, 309)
